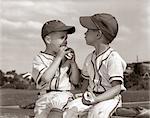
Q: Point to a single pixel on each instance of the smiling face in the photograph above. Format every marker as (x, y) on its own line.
(91, 37)
(58, 39)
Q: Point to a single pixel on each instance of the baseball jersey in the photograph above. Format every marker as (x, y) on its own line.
(60, 81)
(102, 69)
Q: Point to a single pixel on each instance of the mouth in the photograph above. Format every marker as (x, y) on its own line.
(64, 44)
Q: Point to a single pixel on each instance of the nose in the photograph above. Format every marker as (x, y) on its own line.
(66, 37)
(65, 41)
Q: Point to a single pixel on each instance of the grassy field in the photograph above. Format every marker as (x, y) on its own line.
(14, 97)
(19, 97)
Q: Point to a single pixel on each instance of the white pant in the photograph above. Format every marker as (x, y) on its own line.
(103, 109)
(51, 100)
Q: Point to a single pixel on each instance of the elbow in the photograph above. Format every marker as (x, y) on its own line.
(118, 89)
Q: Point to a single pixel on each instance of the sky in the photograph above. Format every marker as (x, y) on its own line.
(21, 22)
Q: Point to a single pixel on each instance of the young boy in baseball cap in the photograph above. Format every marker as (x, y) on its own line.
(54, 70)
(103, 69)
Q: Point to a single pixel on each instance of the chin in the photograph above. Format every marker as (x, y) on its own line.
(88, 43)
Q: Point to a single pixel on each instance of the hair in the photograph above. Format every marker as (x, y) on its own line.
(43, 38)
(106, 40)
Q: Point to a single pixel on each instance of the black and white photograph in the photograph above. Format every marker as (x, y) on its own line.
(74, 59)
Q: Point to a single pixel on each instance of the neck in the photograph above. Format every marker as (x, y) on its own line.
(49, 50)
(100, 48)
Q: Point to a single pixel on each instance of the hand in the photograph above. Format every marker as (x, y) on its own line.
(86, 102)
(88, 98)
(71, 55)
(63, 51)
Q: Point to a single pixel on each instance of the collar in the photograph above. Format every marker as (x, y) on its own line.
(47, 56)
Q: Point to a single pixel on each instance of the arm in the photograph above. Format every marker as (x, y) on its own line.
(75, 75)
(50, 72)
(109, 94)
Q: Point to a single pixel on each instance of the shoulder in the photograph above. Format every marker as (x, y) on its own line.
(37, 57)
(116, 58)
(115, 55)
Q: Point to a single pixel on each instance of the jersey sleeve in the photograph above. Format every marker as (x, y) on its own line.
(38, 69)
(116, 68)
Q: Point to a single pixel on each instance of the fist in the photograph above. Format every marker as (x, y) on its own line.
(88, 98)
(70, 53)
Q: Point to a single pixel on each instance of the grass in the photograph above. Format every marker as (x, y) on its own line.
(136, 96)
(23, 97)
(19, 97)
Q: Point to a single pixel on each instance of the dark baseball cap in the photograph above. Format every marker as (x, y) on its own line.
(104, 22)
(54, 26)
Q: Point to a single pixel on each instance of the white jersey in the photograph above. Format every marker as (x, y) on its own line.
(60, 81)
(101, 70)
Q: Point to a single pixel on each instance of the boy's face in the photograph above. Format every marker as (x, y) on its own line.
(91, 36)
(58, 39)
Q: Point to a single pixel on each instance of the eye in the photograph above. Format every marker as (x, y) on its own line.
(62, 37)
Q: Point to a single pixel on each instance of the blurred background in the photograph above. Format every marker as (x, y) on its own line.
(21, 22)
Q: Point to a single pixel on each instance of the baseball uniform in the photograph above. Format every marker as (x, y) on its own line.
(101, 70)
(53, 94)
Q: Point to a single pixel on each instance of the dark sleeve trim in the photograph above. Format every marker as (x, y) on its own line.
(39, 74)
(85, 75)
(115, 76)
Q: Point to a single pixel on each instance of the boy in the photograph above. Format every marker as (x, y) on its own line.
(103, 70)
(54, 70)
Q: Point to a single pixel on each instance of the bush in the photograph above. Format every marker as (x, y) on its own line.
(136, 82)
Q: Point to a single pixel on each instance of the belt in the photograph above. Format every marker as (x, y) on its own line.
(47, 91)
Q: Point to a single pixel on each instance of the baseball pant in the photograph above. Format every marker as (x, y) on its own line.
(103, 109)
(51, 100)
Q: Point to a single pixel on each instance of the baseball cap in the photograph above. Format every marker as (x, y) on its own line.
(54, 26)
(104, 22)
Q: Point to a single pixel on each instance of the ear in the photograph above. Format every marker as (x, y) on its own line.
(48, 39)
(99, 34)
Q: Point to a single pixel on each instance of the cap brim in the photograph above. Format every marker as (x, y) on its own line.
(86, 22)
(69, 29)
